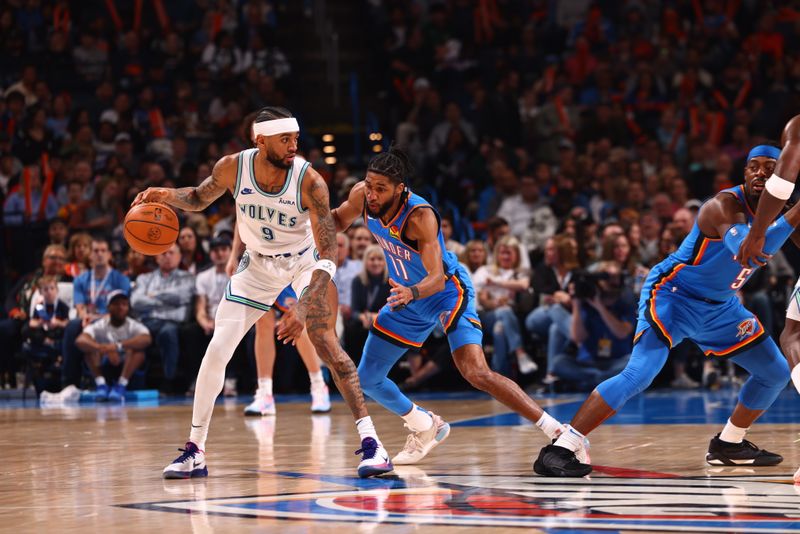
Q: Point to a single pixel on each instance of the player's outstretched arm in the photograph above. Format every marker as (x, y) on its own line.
(423, 227)
(778, 189)
(312, 310)
(222, 178)
(351, 209)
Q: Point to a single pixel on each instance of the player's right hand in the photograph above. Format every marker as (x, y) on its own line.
(152, 194)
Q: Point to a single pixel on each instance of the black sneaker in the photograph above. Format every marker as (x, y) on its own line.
(555, 461)
(744, 453)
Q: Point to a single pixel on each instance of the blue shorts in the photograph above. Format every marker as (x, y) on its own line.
(453, 309)
(285, 300)
(722, 329)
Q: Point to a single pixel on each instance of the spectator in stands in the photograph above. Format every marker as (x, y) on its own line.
(18, 304)
(90, 297)
(45, 328)
(210, 288)
(161, 301)
(74, 210)
(57, 232)
(118, 340)
(497, 285)
(550, 321)
(137, 263)
(603, 318)
(193, 258)
(347, 269)
(447, 232)
(369, 294)
(78, 257)
(31, 203)
(475, 255)
(360, 239)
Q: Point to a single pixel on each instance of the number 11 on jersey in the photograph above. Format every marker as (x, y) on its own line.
(399, 268)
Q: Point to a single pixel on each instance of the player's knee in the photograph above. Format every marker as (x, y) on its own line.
(775, 373)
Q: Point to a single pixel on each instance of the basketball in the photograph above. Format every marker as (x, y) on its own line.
(151, 228)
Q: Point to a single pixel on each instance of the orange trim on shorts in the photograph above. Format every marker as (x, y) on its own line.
(454, 314)
(476, 323)
(392, 335)
(652, 307)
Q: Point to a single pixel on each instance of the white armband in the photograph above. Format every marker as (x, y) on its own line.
(796, 377)
(326, 265)
(778, 187)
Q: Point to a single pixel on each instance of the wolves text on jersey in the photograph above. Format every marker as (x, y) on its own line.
(263, 213)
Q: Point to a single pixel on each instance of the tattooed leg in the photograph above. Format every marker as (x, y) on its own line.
(320, 323)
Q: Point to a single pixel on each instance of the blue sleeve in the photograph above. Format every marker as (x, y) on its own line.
(79, 289)
(777, 234)
(123, 283)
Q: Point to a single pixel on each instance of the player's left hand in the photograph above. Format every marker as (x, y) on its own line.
(291, 326)
(399, 296)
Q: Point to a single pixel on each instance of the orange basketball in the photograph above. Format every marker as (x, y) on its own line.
(151, 228)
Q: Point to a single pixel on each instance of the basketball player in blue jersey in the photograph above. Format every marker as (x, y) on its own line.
(777, 190)
(283, 217)
(428, 287)
(692, 294)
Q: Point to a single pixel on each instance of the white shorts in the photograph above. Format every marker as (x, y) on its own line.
(260, 279)
(793, 310)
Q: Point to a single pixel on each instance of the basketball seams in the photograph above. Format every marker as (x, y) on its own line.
(176, 228)
(130, 234)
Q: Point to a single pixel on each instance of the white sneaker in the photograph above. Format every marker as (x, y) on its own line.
(190, 464)
(320, 399)
(374, 459)
(419, 444)
(526, 365)
(261, 405)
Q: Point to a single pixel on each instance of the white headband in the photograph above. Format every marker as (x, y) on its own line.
(276, 126)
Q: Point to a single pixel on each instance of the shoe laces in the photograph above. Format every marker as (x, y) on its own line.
(413, 443)
(189, 452)
(368, 448)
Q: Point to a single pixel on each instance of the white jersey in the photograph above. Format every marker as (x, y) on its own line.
(272, 223)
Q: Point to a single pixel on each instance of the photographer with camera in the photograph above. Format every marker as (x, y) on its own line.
(603, 315)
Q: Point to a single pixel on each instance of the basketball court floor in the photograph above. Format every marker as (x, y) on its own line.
(96, 468)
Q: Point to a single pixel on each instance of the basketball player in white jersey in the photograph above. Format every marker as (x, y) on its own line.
(282, 210)
(790, 339)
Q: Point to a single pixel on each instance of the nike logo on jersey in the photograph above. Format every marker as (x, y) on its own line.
(246, 191)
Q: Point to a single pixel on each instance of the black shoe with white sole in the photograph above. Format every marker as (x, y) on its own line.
(744, 453)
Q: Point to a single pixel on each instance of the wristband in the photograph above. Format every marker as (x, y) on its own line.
(119, 347)
(796, 377)
(414, 293)
(778, 187)
(326, 265)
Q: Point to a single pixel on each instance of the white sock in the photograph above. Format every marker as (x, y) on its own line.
(418, 419)
(570, 439)
(123, 381)
(366, 429)
(549, 425)
(265, 387)
(316, 378)
(100, 381)
(732, 433)
(198, 437)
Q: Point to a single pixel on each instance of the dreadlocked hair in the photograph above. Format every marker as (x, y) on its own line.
(394, 164)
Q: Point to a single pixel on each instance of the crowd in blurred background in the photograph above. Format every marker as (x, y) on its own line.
(567, 145)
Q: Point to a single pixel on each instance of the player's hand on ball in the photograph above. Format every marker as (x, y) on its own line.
(151, 194)
(399, 296)
(290, 326)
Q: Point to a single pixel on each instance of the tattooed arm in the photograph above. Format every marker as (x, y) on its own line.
(223, 177)
(313, 310)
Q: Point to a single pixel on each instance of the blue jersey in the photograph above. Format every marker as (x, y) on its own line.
(702, 267)
(402, 254)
